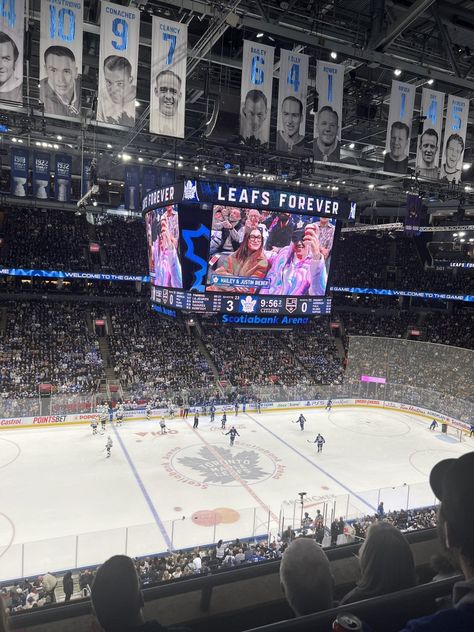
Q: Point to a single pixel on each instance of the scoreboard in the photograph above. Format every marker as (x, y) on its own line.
(241, 303)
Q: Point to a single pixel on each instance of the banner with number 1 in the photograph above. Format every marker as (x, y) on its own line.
(328, 118)
(118, 63)
(256, 92)
(168, 77)
(60, 59)
(400, 115)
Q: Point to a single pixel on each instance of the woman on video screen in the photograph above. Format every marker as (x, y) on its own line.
(248, 260)
(165, 257)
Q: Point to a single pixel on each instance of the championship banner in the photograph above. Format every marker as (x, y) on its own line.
(149, 179)
(429, 141)
(256, 93)
(168, 77)
(132, 187)
(41, 174)
(328, 119)
(60, 60)
(292, 94)
(19, 171)
(12, 28)
(454, 138)
(118, 64)
(400, 114)
(62, 179)
(86, 175)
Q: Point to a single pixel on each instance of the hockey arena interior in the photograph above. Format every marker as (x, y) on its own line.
(236, 315)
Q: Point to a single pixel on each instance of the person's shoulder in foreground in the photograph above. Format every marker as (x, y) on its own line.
(451, 620)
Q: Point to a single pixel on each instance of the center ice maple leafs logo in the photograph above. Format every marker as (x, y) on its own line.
(244, 464)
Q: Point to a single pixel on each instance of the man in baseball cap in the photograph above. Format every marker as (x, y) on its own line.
(452, 481)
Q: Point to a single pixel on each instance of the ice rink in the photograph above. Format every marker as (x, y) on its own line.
(63, 504)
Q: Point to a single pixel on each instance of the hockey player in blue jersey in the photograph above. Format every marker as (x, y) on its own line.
(233, 433)
(329, 405)
(319, 441)
(302, 421)
(223, 421)
(212, 411)
(433, 425)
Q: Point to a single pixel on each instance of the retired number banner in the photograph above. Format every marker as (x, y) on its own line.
(454, 138)
(400, 114)
(12, 28)
(256, 92)
(168, 77)
(328, 119)
(63, 177)
(292, 94)
(429, 141)
(19, 171)
(41, 174)
(60, 60)
(118, 63)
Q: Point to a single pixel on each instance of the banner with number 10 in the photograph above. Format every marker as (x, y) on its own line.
(168, 77)
(60, 59)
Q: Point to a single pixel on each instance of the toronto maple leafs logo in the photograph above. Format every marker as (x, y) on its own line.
(226, 466)
(247, 304)
(190, 191)
(190, 238)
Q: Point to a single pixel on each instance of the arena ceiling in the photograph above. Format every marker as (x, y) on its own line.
(425, 39)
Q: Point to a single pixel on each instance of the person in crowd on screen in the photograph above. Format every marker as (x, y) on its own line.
(428, 151)
(451, 482)
(289, 138)
(280, 230)
(452, 168)
(253, 219)
(326, 236)
(60, 90)
(116, 104)
(165, 256)
(326, 146)
(248, 261)
(253, 117)
(306, 578)
(386, 564)
(298, 269)
(169, 94)
(227, 230)
(380, 510)
(396, 160)
(11, 84)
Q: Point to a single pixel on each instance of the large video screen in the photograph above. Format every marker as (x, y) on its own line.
(261, 252)
(164, 262)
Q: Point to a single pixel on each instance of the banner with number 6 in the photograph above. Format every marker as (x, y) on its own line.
(60, 59)
(118, 63)
(292, 94)
(168, 77)
(400, 115)
(429, 141)
(256, 93)
(328, 118)
(454, 141)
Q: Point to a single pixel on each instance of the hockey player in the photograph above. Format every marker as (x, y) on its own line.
(108, 445)
(148, 411)
(258, 402)
(320, 441)
(329, 405)
(196, 421)
(94, 425)
(433, 425)
(233, 433)
(119, 414)
(302, 421)
(236, 408)
(471, 430)
(103, 417)
(223, 421)
(162, 425)
(212, 411)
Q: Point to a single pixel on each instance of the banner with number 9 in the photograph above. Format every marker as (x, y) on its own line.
(118, 63)
(256, 92)
(168, 77)
(292, 95)
(60, 59)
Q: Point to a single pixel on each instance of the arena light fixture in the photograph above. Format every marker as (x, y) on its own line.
(137, 104)
(371, 186)
(352, 146)
(333, 54)
(430, 82)
(59, 137)
(466, 166)
(140, 159)
(397, 72)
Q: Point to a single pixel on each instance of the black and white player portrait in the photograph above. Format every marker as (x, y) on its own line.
(396, 159)
(116, 103)
(168, 93)
(253, 116)
(451, 169)
(11, 73)
(428, 154)
(289, 137)
(327, 146)
(60, 89)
